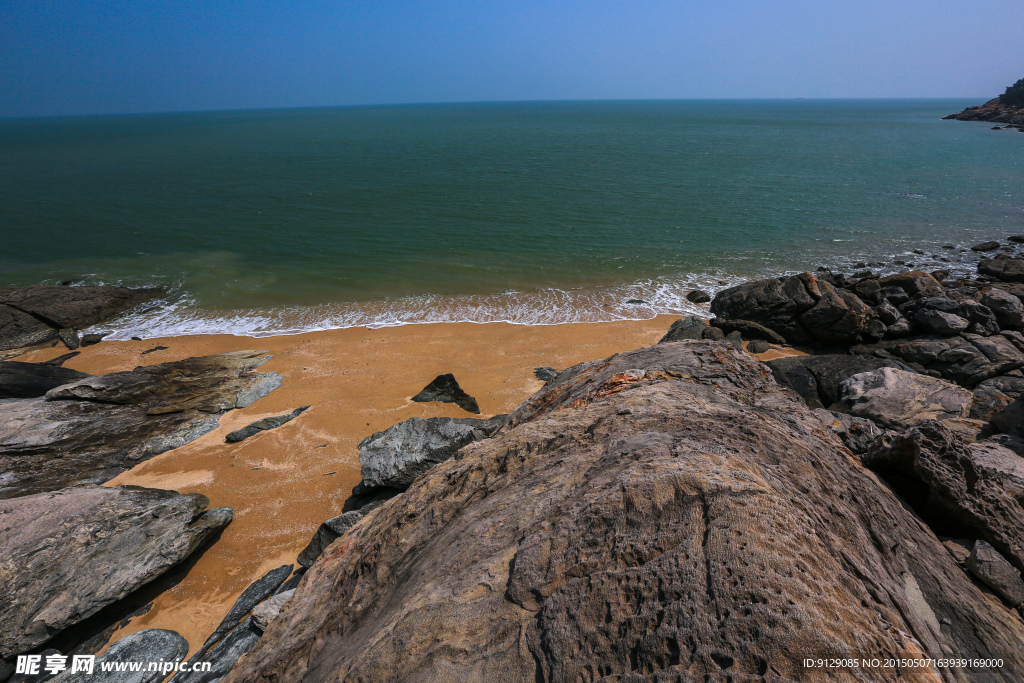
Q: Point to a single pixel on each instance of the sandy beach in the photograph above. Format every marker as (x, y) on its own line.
(283, 483)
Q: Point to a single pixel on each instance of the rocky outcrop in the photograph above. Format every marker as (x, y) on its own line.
(30, 315)
(993, 111)
(898, 399)
(968, 359)
(65, 555)
(263, 425)
(330, 530)
(446, 389)
(1004, 270)
(92, 429)
(665, 514)
(818, 379)
(30, 380)
(394, 457)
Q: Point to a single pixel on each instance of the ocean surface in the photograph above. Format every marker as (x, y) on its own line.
(270, 222)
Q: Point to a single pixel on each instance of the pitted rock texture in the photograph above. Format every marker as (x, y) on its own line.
(897, 399)
(668, 514)
(67, 554)
(90, 430)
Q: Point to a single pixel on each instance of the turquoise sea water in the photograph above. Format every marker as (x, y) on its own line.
(280, 221)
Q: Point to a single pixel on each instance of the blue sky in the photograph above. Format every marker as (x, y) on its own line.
(60, 57)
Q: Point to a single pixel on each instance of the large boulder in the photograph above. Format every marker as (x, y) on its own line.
(801, 308)
(897, 399)
(819, 378)
(967, 360)
(914, 283)
(394, 457)
(157, 646)
(690, 327)
(65, 555)
(666, 514)
(987, 564)
(1005, 270)
(1008, 309)
(30, 380)
(90, 430)
(18, 329)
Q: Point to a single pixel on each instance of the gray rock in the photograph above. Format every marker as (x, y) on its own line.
(758, 346)
(1008, 309)
(992, 568)
(31, 380)
(856, 433)
(267, 611)
(749, 329)
(988, 400)
(445, 389)
(69, 337)
(19, 329)
(899, 329)
(223, 655)
(394, 457)
(712, 334)
(331, 530)
(90, 430)
(152, 645)
(250, 597)
(967, 359)
(940, 322)
(263, 425)
(736, 339)
(818, 378)
(986, 246)
(897, 399)
(1005, 270)
(60, 360)
(690, 327)
(698, 296)
(93, 338)
(911, 283)
(74, 307)
(545, 374)
(1006, 384)
(887, 313)
(67, 554)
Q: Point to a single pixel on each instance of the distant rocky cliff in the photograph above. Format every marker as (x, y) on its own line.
(1008, 108)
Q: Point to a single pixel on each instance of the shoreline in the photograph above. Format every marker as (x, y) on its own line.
(282, 484)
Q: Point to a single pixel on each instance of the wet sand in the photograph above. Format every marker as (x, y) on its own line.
(283, 483)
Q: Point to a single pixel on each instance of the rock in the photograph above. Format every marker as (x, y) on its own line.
(1015, 238)
(999, 463)
(856, 433)
(748, 329)
(938, 322)
(985, 246)
(899, 329)
(29, 380)
(74, 307)
(896, 398)
(967, 360)
(60, 360)
(19, 329)
(758, 346)
(913, 283)
(819, 378)
(1012, 387)
(1005, 270)
(263, 425)
(267, 611)
(445, 389)
(949, 489)
(895, 296)
(887, 313)
(91, 429)
(690, 327)
(152, 645)
(988, 400)
(222, 656)
(155, 348)
(1008, 309)
(93, 338)
(712, 333)
(331, 530)
(258, 591)
(698, 296)
(69, 337)
(994, 111)
(665, 514)
(636, 301)
(1009, 419)
(545, 374)
(736, 339)
(64, 555)
(394, 457)
(992, 568)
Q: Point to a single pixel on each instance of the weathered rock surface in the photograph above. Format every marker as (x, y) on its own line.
(445, 389)
(545, 374)
(1008, 309)
(993, 111)
(690, 327)
(258, 591)
(698, 296)
(856, 433)
(29, 315)
(267, 611)
(1006, 270)
(748, 329)
(65, 555)
(897, 399)
(967, 360)
(667, 514)
(394, 457)
(263, 425)
(151, 645)
(992, 568)
(30, 380)
(223, 655)
(329, 531)
(941, 478)
(818, 379)
(92, 429)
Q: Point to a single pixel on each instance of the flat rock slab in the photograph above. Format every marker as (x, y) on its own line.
(90, 430)
(446, 389)
(394, 457)
(30, 380)
(74, 307)
(257, 591)
(18, 329)
(152, 645)
(987, 564)
(65, 555)
(263, 425)
(665, 514)
(897, 399)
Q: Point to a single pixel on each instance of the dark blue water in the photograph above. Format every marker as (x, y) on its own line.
(285, 220)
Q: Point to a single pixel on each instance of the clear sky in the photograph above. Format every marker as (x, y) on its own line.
(61, 57)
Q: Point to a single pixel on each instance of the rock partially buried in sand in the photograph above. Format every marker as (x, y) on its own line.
(263, 425)
(67, 554)
(545, 374)
(152, 645)
(256, 592)
(445, 389)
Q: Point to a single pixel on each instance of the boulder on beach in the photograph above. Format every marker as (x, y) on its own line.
(64, 555)
(690, 327)
(446, 389)
(263, 425)
(1004, 270)
(666, 512)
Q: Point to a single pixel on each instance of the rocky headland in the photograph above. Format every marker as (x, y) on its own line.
(1008, 108)
(830, 467)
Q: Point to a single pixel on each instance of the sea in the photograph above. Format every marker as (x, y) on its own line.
(285, 221)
